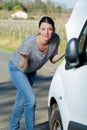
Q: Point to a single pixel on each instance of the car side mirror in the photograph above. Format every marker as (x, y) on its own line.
(72, 54)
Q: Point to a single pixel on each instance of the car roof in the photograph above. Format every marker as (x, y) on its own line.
(77, 19)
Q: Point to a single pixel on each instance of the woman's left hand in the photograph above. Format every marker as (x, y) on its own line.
(57, 57)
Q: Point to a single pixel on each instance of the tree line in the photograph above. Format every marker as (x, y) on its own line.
(30, 6)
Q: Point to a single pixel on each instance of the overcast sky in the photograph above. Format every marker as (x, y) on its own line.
(67, 3)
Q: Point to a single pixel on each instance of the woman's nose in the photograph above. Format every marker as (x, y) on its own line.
(46, 31)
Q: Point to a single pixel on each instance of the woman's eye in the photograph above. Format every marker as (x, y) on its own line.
(43, 29)
(49, 29)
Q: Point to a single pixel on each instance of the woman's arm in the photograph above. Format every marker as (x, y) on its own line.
(57, 57)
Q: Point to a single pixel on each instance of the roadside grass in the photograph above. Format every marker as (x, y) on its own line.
(13, 32)
(7, 48)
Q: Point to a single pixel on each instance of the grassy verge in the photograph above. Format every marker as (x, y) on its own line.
(12, 32)
(7, 48)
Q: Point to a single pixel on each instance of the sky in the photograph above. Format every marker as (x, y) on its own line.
(66, 3)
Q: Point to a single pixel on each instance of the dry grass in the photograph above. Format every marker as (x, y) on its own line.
(12, 32)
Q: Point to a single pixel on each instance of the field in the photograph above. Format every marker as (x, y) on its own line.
(12, 32)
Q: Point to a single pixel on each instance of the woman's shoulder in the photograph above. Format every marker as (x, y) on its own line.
(56, 36)
(31, 37)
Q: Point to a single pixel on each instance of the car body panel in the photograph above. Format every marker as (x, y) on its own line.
(70, 103)
(77, 19)
(69, 87)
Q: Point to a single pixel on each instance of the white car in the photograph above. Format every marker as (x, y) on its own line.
(67, 106)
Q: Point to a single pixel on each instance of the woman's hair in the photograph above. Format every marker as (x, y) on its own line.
(47, 19)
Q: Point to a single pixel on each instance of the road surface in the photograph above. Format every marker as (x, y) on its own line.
(8, 92)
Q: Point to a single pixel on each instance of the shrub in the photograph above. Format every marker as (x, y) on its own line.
(17, 7)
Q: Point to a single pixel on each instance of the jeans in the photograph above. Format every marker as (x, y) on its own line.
(25, 98)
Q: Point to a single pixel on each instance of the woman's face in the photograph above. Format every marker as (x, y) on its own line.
(46, 31)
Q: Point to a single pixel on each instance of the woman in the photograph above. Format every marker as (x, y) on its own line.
(23, 64)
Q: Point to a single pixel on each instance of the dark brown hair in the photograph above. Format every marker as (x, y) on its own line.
(47, 19)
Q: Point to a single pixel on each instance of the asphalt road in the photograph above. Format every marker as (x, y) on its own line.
(8, 92)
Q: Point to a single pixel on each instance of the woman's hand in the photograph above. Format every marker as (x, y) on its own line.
(57, 57)
(24, 54)
(24, 62)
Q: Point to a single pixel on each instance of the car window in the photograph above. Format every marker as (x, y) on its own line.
(83, 45)
(83, 39)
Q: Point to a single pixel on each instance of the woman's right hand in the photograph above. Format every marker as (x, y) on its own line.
(23, 54)
(23, 64)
